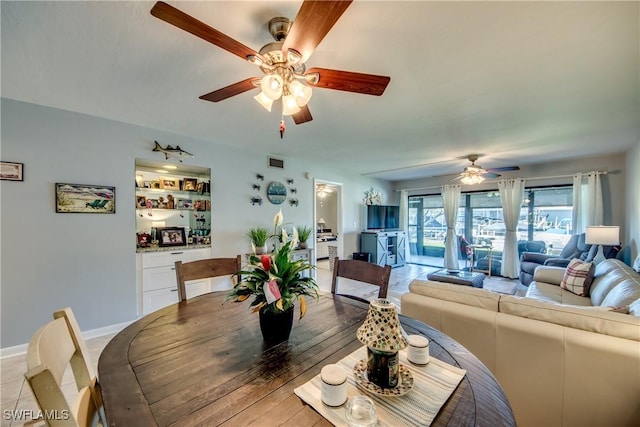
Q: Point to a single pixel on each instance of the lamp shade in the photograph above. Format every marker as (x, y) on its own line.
(272, 86)
(264, 100)
(289, 105)
(381, 329)
(602, 235)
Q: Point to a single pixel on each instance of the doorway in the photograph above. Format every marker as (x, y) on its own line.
(328, 219)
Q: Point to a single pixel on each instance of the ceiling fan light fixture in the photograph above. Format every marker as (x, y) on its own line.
(272, 86)
(255, 60)
(289, 105)
(471, 178)
(302, 93)
(312, 78)
(264, 100)
(293, 56)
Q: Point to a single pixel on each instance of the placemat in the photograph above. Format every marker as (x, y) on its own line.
(433, 384)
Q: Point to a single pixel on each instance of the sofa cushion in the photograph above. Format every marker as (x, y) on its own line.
(456, 293)
(625, 292)
(593, 319)
(542, 291)
(577, 277)
(602, 284)
(551, 275)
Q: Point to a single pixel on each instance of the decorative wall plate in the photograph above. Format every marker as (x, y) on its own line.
(276, 192)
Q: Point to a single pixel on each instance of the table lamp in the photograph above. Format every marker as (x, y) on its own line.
(384, 337)
(602, 235)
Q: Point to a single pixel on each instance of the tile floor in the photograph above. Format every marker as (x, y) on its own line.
(15, 394)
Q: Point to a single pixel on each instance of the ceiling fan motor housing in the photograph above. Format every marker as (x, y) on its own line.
(279, 28)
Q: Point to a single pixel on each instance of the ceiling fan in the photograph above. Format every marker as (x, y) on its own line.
(475, 174)
(283, 62)
(322, 190)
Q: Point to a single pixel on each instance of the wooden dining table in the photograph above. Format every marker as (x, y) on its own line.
(203, 362)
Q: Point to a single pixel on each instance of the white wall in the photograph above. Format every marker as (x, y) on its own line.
(87, 261)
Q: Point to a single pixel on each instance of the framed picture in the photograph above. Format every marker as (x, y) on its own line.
(10, 171)
(83, 198)
(141, 202)
(200, 187)
(189, 184)
(171, 236)
(144, 240)
(169, 184)
(185, 204)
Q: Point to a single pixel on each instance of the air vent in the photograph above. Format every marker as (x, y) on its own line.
(276, 163)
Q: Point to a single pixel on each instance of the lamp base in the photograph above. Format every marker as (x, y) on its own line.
(599, 256)
(383, 367)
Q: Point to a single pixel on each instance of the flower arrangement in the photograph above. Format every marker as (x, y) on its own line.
(275, 280)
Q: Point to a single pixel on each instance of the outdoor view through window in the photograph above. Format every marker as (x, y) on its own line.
(545, 216)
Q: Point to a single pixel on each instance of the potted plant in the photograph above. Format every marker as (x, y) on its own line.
(258, 237)
(276, 281)
(304, 233)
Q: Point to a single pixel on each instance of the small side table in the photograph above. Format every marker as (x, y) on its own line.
(488, 249)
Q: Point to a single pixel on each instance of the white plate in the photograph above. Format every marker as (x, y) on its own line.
(405, 381)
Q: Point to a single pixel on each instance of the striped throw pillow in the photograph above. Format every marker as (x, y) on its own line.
(577, 277)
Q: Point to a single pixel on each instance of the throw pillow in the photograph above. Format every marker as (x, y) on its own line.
(578, 277)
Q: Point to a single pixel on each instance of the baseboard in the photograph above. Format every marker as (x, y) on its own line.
(18, 350)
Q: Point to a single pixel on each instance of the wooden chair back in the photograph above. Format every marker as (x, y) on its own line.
(203, 269)
(361, 271)
(52, 348)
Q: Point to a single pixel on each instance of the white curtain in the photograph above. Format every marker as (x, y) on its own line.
(511, 195)
(451, 201)
(404, 222)
(587, 201)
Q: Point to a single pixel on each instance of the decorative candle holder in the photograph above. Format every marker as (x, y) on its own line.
(384, 337)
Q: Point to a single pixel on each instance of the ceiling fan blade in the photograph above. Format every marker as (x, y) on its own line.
(368, 84)
(311, 25)
(302, 116)
(231, 90)
(491, 175)
(454, 179)
(183, 21)
(504, 169)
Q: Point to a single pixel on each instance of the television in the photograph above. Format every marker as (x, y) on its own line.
(383, 217)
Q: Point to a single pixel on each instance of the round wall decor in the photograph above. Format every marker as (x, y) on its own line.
(276, 192)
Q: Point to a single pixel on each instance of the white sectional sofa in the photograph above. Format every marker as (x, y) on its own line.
(562, 359)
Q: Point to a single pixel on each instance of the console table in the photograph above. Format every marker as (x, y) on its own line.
(201, 362)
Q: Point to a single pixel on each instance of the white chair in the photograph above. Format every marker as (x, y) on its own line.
(52, 348)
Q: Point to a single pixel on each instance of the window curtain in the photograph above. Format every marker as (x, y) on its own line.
(404, 222)
(587, 201)
(451, 202)
(511, 195)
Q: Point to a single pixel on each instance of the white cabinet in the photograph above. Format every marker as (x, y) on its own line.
(159, 286)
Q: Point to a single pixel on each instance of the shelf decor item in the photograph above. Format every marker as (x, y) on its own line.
(171, 236)
(276, 281)
(258, 237)
(384, 337)
(304, 233)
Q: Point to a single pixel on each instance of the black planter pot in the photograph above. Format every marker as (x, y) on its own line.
(276, 327)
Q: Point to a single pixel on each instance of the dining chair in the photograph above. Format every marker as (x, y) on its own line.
(52, 349)
(203, 269)
(361, 271)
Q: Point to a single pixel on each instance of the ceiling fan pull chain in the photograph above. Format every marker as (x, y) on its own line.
(283, 127)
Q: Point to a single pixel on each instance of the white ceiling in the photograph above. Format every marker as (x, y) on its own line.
(517, 82)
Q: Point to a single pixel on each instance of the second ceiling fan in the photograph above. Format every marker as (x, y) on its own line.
(475, 174)
(282, 62)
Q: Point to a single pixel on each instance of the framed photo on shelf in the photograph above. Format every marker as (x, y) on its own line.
(185, 204)
(169, 184)
(10, 171)
(172, 236)
(83, 198)
(189, 184)
(200, 187)
(141, 202)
